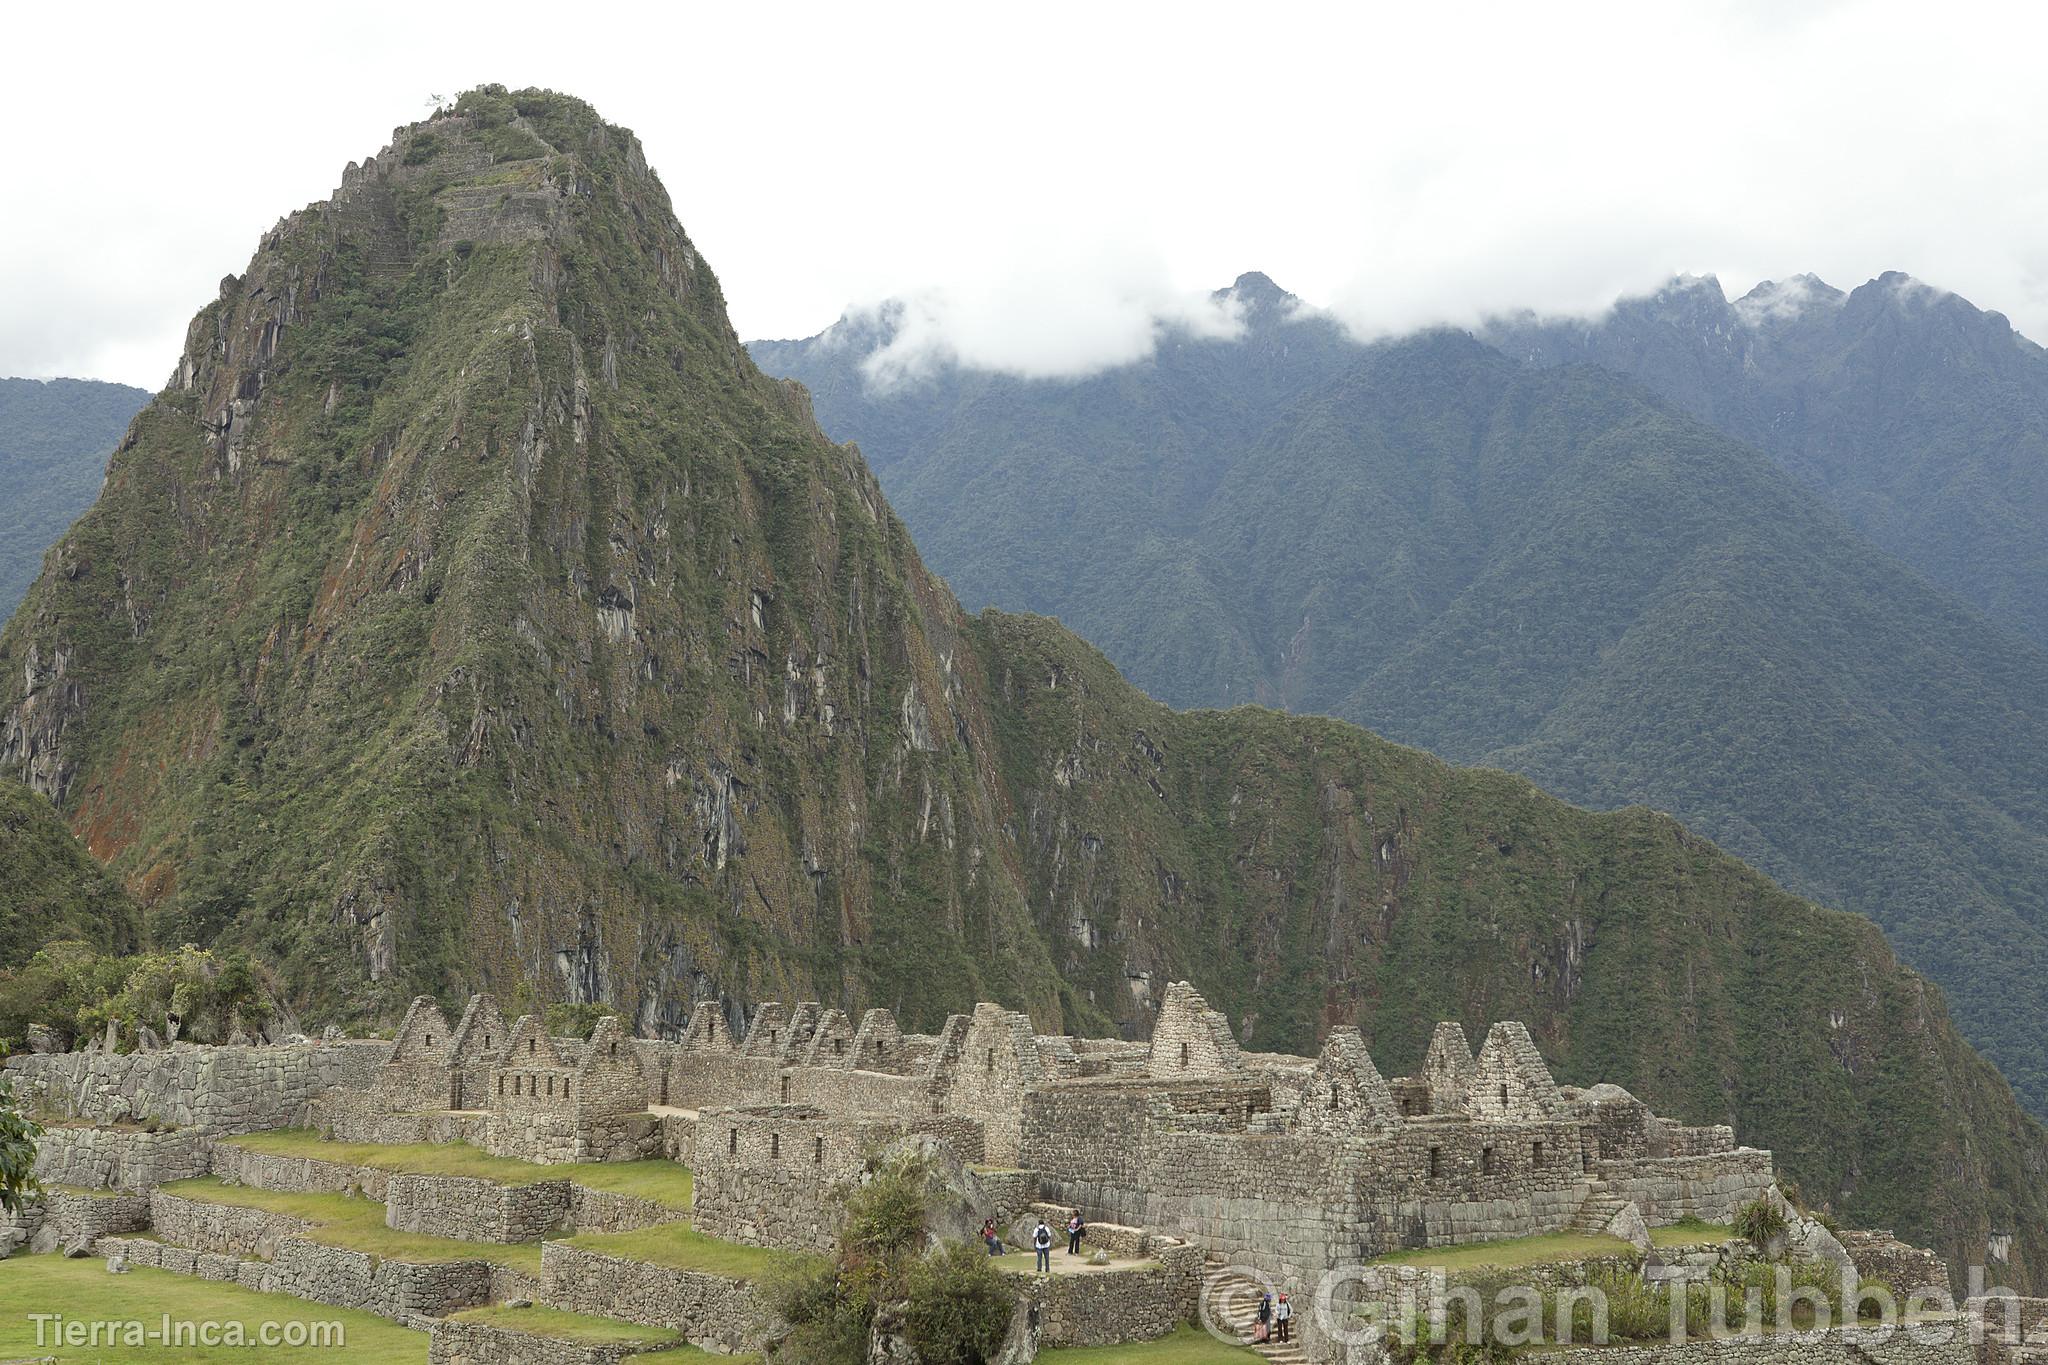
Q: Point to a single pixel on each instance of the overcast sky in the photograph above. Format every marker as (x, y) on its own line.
(1050, 178)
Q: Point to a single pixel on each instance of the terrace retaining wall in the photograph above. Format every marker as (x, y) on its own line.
(719, 1312)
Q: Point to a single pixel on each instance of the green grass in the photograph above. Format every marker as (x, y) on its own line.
(682, 1247)
(83, 1290)
(1187, 1346)
(658, 1181)
(1690, 1231)
(358, 1224)
(554, 1322)
(1513, 1251)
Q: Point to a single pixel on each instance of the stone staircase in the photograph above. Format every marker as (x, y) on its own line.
(1231, 1302)
(1599, 1209)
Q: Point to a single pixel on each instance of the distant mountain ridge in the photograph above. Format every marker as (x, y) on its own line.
(1541, 566)
(1918, 416)
(55, 435)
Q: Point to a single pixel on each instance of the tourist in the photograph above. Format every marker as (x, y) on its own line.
(1263, 1331)
(1074, 1231)
(989, 1238)
(1041, 1242)
(1283, 1318)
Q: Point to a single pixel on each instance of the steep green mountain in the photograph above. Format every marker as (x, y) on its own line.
(1078, 498)
(53, 891)
(1542, 569)
(54, 439)
(471, 612)
(1919, 417)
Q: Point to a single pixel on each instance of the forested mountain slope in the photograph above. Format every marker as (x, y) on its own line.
(1546, 569)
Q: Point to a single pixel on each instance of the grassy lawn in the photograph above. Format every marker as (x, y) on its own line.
(358, 1224)
(1187, 1346)
(682, 1247)
(1513, 1251)
(1690, 1232)
(83, 1290)
(661, 1182)
(554, 1322)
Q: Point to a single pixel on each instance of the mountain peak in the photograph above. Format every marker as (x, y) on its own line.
(1778, 301)
(1255, 292)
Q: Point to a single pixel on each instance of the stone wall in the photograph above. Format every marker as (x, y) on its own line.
(603, 1211)
(69, 1220)
(471, 1210)
(355, 1117)
(231, 1229)
(1294, 1203)
(448, 1206)
(1111, 1307)
(1945, 1342)
(716, 1078)
(213, 1089)
(1878, 1255)
(847, 1091)
(295, 1174)
(392, 1289)
(718, 1312)
(772, 1176)
(456, 1342)
(123, 1158)
(1710, 1188)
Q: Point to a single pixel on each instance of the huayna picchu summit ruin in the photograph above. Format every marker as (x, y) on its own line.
(469, 619)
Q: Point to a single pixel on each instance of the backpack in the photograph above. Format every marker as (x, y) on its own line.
(1042, 1238)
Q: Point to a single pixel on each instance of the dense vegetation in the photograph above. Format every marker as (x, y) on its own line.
(51, 889)
(1542, 569)
(946, 1301)
(520, 634)
(54, 439)
(190, 993)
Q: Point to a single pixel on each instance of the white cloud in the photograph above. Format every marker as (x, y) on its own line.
(1092, 315)
(1049, 181)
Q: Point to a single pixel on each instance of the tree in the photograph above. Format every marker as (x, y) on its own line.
(18, 1134)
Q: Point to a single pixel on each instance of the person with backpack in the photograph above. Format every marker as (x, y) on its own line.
(1074, 1230)
(1041, 1242)
(1283, 1318)
(1262, 1330)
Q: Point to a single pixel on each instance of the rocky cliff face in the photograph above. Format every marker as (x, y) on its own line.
(471, 613)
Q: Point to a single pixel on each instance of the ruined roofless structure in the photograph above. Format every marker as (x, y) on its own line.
(1295, 1164)
(1300, 1163)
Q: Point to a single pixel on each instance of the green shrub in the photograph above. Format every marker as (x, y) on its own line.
(829, 1316)
(1760, 1222)
(885, 1215)
(959, 1308)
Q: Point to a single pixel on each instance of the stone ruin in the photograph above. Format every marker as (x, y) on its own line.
(1290, 1164)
